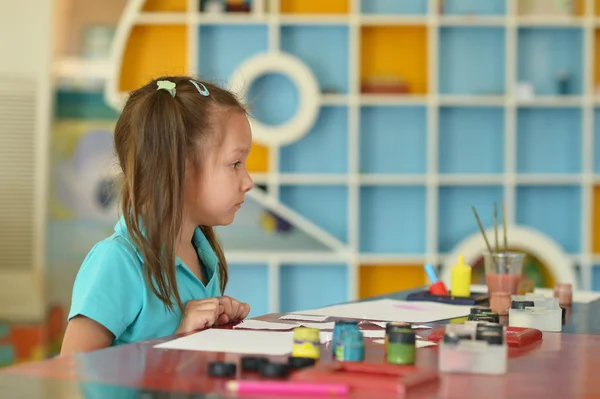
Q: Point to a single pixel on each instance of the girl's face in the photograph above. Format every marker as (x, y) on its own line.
(215, 187)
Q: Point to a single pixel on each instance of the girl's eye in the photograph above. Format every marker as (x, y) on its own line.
(235, 164)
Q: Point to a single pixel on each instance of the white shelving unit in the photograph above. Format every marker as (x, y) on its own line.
(509, 180)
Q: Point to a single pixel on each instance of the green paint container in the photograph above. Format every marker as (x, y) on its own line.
(401, 347)
(395, 326)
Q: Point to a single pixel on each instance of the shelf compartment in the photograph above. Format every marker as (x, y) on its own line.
(153, 51)
(458, 74)
(455, 217)
(324, 49)
(549, 9)
(553, 210)
(549, 140)
(595, 225)
(596, 273)
(314, 6)
(391, 7)
(324, 149)
(392, 220)
(326, 206)
(476, 128)
(378, 280)
(273, 98)
(546, 53)
(391, 55)
(241, 42)
(310, 286)
(596, 82)
(258, 160)
(249, 283)
(393, 140)
(473, 7)
(165, 5)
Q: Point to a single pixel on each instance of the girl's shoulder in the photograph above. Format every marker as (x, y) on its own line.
(114, 254)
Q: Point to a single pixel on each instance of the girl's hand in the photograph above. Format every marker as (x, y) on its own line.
(199, 315)
(233, 310)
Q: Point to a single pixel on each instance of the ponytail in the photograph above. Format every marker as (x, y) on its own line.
(156, 159)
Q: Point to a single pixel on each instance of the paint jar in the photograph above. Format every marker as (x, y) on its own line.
(564, 294)
(351, 346)
(395, 326)
(341, 326)
(500, 302)
(487, 317)
(401, 347)
(306, 343)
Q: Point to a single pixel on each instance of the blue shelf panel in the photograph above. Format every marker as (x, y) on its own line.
(471, 140)
(324, 49)
(544, 53)
(250, 283)
(597, 140)
(241, 42)
(415, 7)
(596, 278)
(393, 139)
(392, 219)
(457, 71)
(554, 210)
(326, 206)
(273, 99)
(475, 7)
(455, 218)
(324, 149)
(304, 287)
(548, 140)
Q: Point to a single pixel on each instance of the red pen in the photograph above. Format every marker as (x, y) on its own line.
(289, 388)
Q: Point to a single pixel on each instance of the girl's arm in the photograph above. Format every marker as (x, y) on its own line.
(83, 335)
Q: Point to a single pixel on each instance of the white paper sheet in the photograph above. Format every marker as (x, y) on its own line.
(377, 334)
(265, 325)
(418, 344)
(578, 296)
(303, 317)
(394, 310)
(383, 323)
(320, 326)
(238, 341)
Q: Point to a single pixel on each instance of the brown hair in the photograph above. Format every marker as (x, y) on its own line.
(154, 136)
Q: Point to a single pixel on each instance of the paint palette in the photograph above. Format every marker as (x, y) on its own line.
(474, 299)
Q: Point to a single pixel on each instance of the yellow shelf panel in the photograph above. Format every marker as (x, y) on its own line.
(165, 5)
(395, 51)
(385, 279)
(258, 161)
(596, 59)
(580, 7)
(153, 51)
(314, 6)
(595, 235)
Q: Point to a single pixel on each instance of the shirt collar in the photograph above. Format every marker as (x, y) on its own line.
(205, 250)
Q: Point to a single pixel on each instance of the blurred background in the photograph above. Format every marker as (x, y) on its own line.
(378, 124)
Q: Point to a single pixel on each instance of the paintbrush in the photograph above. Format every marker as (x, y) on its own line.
(496, 226)
(504, 227)
(482, 231)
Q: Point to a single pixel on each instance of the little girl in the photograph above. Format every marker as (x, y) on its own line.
(182, 145)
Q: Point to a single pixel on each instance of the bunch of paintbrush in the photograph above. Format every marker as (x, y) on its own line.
(487, 243)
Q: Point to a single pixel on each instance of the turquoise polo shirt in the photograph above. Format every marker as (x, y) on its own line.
(110, 288)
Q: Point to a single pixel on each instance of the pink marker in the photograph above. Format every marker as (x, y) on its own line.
(291, 388)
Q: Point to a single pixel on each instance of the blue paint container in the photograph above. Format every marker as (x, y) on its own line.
(351, 347)
(341, 326)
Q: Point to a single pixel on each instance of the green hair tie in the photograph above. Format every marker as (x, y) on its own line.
(166, 85)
